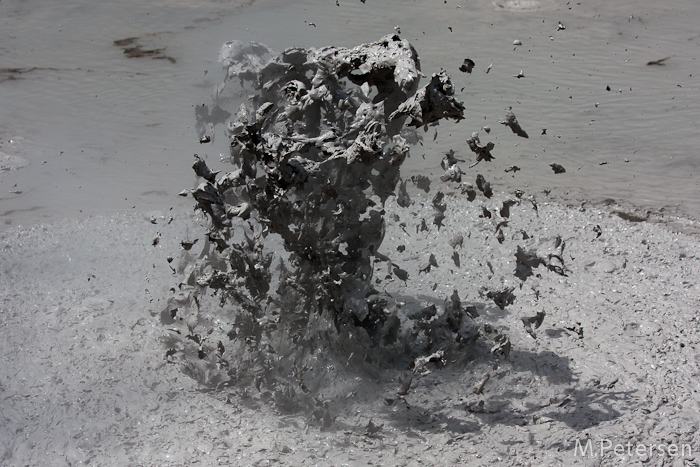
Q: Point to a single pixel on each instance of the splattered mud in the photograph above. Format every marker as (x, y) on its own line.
(516, 329)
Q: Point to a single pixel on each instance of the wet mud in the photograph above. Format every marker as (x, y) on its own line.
(350, 282)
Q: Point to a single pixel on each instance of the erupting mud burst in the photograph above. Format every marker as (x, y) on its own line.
(296, 226)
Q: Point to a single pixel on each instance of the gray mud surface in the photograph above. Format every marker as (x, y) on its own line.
(583, 285)
(86, 378)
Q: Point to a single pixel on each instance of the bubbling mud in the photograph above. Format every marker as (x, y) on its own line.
(284, 286)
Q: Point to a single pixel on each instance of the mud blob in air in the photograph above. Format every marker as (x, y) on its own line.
(297, 224)
(512, 122)
(482, 152)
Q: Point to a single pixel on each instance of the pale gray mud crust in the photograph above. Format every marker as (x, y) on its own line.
(87, 379)
(613, 360)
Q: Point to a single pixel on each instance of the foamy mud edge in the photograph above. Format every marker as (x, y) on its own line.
(85, 378)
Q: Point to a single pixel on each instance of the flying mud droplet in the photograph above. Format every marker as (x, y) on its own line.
(438, 201)
(403, 198)
(534, 322)
(453, 173)
(187, 245)
(502, 298)
(400, 273)
(467, 66)
(660, 62)
(202, 170)
(505, 210)
(598, 231)
(502, 346)
(557, 168)
(512, 122)
(484, 186)
(428, 265)
(483, 153)
(422, 182)
(423, 226)
(468, 189)
(431, 103)
(449, 160)
(500, 236)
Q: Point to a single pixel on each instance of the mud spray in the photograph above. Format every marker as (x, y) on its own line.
(288, 300)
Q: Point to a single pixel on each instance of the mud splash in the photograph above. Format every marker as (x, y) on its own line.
(284, 288)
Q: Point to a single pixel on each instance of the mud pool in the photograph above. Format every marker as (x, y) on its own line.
(591, 273)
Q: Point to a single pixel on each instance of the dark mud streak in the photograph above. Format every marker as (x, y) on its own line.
(133, 50)
(10, 74)
(630, 217)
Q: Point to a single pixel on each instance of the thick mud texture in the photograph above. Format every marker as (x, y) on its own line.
(293, 248)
